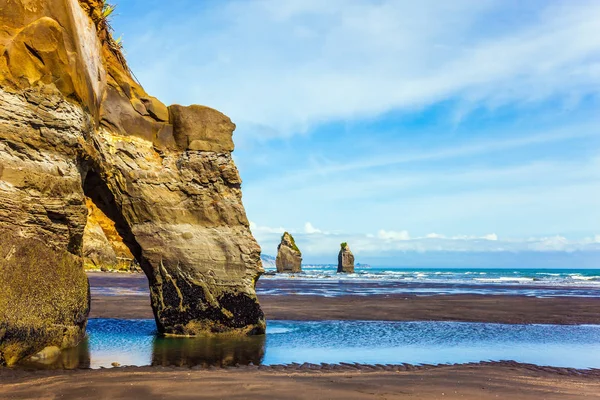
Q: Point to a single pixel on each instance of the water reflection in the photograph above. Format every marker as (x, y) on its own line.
(135, 342)
(73, 358)
(208, 351)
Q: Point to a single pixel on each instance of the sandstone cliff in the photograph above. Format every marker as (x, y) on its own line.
(103, 246)
(73, 123)
(345, 259)
(289, 258)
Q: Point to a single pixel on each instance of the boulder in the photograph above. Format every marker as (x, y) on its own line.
(201, 128)
(289, 257)
(75, 124)
(345, 259)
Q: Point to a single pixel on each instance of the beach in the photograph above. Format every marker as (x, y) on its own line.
(480, 381)
(132, 302)
(471, 308)
(475, 380)
(333, 200)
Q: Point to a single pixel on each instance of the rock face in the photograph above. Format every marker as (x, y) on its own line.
(345, 259)
(74, 124)
(103, 246)
(289, 258)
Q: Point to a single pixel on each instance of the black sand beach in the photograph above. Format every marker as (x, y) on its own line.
(394, 307)
(470, 381)
(505, 379)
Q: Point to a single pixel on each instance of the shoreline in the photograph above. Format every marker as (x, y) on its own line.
(466, 381)
(497, 308)
(461, 308)
(502, 379)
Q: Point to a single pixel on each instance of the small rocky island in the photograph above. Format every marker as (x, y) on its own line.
(345, 259)
(289, 257)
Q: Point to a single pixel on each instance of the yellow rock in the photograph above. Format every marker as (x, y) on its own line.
(47, 356)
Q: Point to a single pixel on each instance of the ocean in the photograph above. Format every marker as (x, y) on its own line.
(324, 280)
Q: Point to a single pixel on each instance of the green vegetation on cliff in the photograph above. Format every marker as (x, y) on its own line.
(44, 300)
(292, 241)
(343, 245)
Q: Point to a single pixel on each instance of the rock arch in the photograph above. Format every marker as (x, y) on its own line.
(74, 122)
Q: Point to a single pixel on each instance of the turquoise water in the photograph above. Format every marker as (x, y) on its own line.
(134, 342)
(454, 275)
(325, 281)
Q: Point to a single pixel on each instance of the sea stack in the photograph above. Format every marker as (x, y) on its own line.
(345, 259)
(74, 123)
(289, 258)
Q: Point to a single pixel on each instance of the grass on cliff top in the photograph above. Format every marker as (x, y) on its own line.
(107, 10)
(291, 240)
(343, 245)
(116, 45)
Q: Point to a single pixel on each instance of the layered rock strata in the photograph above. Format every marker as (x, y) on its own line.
(103, 247)
(345, 259)
(289, 257)
(73, 123)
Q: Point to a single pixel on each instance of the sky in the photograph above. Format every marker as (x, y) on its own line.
(427, 133)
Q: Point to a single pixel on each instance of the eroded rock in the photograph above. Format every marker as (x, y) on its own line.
(74, 123)
(345, 259)
(103, 246)
(289, 257)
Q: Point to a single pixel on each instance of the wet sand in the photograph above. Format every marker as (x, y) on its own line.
(508, 380)
(470, 381)
(394, 307)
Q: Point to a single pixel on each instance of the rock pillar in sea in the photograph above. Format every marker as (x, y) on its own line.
(75, 124)
(289, 258)
(345, 259)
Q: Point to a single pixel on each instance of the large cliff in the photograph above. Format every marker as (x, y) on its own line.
(74, 123)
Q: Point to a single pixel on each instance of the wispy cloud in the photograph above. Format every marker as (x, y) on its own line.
(309, 228)
(541, 197)
(430, 126)
(265, 229)
(459, 151)
(318, 244)
(280, 67)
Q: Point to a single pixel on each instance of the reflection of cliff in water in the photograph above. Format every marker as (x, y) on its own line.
(208, 351)
(71, 358)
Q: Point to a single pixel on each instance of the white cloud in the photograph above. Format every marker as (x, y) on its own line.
(393, 235)
(294, 64)
(434, 236)
(278, 68)
(513, 199)
(491, 236)
(554, 243)
(366, 167)
(265, 229)
(309, 228)
(386, 242)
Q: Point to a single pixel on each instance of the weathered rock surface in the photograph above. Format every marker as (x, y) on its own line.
(73, 123)
(345, 259)
(103, 246)
(289, 258)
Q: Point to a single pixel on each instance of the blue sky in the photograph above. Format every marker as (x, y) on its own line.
(466, 131)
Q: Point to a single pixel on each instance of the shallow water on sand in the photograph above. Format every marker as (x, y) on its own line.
(134, 342)
(321, 281)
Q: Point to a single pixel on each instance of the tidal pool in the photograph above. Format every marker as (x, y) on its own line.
(135, 342)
